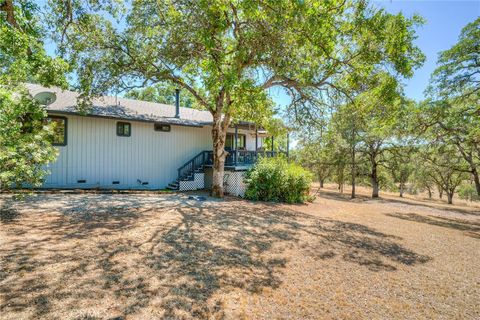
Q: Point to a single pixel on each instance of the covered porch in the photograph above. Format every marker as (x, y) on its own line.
(246, 143)
(242, 159)
(244, 149)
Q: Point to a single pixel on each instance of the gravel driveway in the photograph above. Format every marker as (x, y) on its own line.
(164, 256)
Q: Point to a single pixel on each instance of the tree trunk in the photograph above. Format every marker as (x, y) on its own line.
(353, 195)
(449, 197)
(374, 181)
(440, 193)
(476, 179)
(321, 183)
(468, 156)
(219, 133)
(375, 189)
(354, 173)
(7, 7)
(401, 190)
(341, 180)
(429, 193)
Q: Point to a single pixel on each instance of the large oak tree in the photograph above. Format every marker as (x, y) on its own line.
(452, 112)
(229, 53)
(458, 69)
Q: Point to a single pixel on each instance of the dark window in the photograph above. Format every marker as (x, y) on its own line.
(161, 127)
(59, 136)
(123, 129)
(241, 142)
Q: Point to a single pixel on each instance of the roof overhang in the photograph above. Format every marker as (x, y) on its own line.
(170, 121)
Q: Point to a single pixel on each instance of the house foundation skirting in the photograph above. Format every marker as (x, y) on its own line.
(197, 183)
(234, 183)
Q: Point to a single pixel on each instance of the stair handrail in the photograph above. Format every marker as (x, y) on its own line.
(191, 163)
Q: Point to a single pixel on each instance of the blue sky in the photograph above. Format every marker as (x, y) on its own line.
(445, 20)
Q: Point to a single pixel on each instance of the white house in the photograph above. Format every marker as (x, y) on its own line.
(129, 144)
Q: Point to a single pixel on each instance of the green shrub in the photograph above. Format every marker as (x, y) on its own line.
(276, 179)
(467, 191)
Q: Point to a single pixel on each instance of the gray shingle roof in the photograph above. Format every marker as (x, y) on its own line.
(121, 108)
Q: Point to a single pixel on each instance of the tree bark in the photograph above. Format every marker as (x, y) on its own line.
(429, 193)
(476, 179)
(375, 187)
(449, 197)
(468, 156)
(401, 190)
(440, 193)
(219, 133)
(7, 7)
(341, 181)
(354, 173)
(321, 183)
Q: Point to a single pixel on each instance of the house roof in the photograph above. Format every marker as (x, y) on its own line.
(122, 108)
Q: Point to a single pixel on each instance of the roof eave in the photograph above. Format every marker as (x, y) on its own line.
(170, 121)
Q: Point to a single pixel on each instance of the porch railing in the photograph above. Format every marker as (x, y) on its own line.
(193, 164)
(243, 157)
(234, 158)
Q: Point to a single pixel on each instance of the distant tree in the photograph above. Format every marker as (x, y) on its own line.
(399, 162)
(441, 161)
(25, 145)
(348, 122)
(278, 132)
(456, 122)
(338, 152)
(380, 107)
(422, 178)
(362, 131)
(313, 155)
(467, 191)
(451, 115)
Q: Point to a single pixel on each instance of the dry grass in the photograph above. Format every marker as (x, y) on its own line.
(93, 256)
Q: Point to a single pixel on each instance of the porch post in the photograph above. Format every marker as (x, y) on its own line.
(236, 144)
(256, 138)
(236, 137)
(288, 143)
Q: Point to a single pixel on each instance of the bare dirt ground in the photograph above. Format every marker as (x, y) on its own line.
(163, 256)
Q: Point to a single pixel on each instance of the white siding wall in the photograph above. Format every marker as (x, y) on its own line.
(96, 154)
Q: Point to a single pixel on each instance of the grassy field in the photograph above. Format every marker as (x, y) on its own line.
(163, 256)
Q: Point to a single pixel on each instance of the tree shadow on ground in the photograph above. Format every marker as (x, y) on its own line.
(335, 195)
(362, 245)
(433, 205)
(8, 215)
(471, 228)
(170, 259)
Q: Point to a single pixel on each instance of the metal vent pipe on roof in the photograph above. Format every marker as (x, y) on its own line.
(177, 103)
